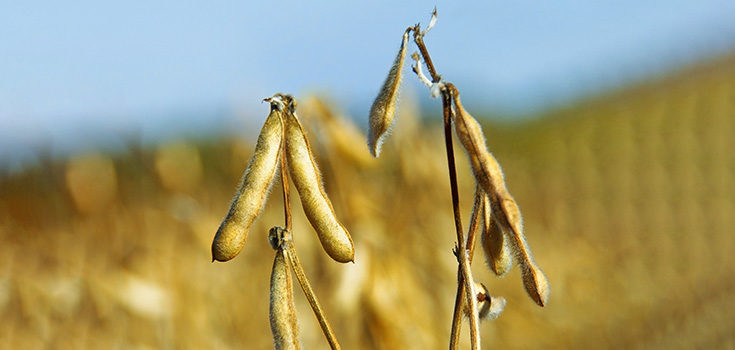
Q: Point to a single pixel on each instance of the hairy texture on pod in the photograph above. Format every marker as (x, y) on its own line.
(383, 109)
(497, 251)
(491, 307)
(488, 307)
(536, 283)
(485, 167)
(534, 280)
(489, 176)
(284, 324)
(318, 209)
(252, 191)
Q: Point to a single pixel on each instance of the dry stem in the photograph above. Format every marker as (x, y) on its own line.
(464, 280)
(306, 287)
(459, 301)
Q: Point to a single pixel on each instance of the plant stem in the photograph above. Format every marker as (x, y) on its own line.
(447, 113)
(474, 222)
(459, 301)
(465, 282)
(306, 287)
(471, 295)
(418, 38)
(457, 318)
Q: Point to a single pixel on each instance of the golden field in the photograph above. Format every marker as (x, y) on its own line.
(628, 200)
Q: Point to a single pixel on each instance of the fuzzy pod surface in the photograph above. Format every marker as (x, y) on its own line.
(282, 311)
(252, 190)
(485, 167)
(334, 237)
(383, 109)
(494, 243)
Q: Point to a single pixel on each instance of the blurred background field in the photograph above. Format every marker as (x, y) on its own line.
(628, 200)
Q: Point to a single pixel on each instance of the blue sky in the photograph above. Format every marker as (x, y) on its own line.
(74, 70)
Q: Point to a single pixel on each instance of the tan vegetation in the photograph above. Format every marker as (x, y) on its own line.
(628, 202)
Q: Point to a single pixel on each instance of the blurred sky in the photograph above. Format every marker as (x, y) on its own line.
(75, 70)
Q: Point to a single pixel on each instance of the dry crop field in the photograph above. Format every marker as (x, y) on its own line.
(628, 200)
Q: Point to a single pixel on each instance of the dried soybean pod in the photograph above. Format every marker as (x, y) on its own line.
(485, 167)
(494, 242)
(383, 109)
(334, 238)
(534, 280)
(284, 324)
(536, 283)
(489, 175)
(252, 191)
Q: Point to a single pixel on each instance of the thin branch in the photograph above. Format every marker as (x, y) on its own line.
(464, 281)
(306, 287)
(471, 295)
(457, 318)
(474, 221)
(448, 113)
(459, 301)
(419, 40)
(420, 72)
(461, 287)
